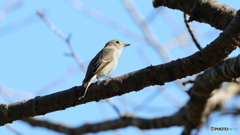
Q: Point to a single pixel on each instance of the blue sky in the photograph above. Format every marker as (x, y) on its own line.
(33, 57)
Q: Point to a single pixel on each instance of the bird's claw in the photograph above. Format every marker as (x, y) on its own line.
(109, 77)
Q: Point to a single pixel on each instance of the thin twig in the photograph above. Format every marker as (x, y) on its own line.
(10, 6)
(18, 24)
(150, 36)
(56, 82)
(111, 103)
(103, 19)
(67, 40)
(191, 33)
(11, 128)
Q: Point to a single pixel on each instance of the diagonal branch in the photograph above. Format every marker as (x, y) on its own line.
(133, 81)
(203, 88)
(150, 36)
(178, 119)
(98, 16)
(121, 122)
(191, 32)
(10, 6)
(216, 14)
(67, 40)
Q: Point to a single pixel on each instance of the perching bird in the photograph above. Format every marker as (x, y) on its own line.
(103, 63)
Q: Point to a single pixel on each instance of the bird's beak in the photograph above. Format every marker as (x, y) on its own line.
(125, 45)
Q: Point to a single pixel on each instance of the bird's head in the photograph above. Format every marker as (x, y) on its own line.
(116, 43)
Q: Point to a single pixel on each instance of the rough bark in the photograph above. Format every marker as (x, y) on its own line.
(185, 115)
(216, 14)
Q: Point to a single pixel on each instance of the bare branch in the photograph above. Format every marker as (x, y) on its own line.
(203, 88)
(217, 101)
(160, 90)
(121, 28)
(18, 24)
(67, 40)
(216, 14)
(49, 125)
(232, 112)
(220, 98)
(8, 94)
(191, 33)
(56, 82)
(11, 128)
(150, 36)
(10, 6)
(124, 121)
(167, 95)
(214, 103)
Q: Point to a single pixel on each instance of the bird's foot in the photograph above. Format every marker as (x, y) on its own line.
(109, 77)
(81, 97)
(98, 81)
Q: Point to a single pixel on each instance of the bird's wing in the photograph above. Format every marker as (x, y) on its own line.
(105, 58)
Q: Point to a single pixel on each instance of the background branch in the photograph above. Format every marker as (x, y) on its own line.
(191, 33)
(216, 14)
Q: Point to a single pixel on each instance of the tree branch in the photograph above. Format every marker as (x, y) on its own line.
(125, 121)
(202, 90)
(220, 98)
(191, 32)
(103, 19)
(216, 102)
(178, 119)
(150, 36)
(216, 14)
(67, 40)
(134, 81)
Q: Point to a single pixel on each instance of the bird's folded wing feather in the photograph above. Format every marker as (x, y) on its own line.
(105, 58)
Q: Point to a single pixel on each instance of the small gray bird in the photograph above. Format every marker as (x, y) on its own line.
(103, 63)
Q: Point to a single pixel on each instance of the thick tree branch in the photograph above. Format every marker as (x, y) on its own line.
(150, 36)
(202, 90)
(220, 98)
(125, 121)
(216, 14)
(216, 102)
(49, 125)
(134, 81)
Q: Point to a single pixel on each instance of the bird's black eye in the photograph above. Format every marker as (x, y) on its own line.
(117, 42)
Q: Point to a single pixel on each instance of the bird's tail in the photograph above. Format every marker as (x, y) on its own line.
(85, 86)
